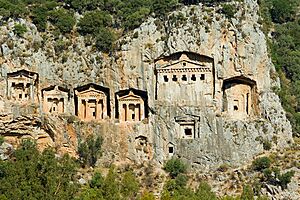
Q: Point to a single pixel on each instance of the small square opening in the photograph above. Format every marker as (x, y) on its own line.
(171, 150)
(202, 77)
(166, 78)
(174, 78)
(20, 96)
(188, 132)
(193, 77)
(184, 78)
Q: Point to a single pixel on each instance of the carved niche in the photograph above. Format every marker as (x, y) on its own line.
(92, 102)
(131, 105)
(239, 97)
(188, 126)
(54, 99)
(185, 77)
(22, 85)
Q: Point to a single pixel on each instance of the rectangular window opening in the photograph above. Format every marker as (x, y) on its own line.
(202, 77)
(174, 78)
(184, 78)
(188, 132)
(166, 78)
(171, 150)
(193, 77)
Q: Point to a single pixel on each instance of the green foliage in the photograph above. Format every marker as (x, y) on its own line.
(111, 189)
(261, 163)
(13, 9)
(20, 29)
(161, 7)
(267, 145)
(34, 175)
(129, 186)
(274, 176)
(147, 196)
(204, 192)
(104, 40)
(93, 22)
(285, 179)
(175, 166)
(89, 150)
(285, 51)
(1, 140)
(283, 10)
(228, 10)
(63, 19)
(247, 193)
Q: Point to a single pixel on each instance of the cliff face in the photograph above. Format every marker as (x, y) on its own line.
(205, 82)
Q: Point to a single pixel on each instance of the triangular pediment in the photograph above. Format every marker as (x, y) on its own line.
(181, 64)
(130, 96)
(90, 91)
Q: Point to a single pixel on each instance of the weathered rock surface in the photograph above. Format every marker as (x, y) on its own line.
(237, 48)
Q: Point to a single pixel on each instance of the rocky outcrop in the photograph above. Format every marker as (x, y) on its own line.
(229, 52)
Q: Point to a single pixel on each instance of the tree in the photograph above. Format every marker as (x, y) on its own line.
(104, 40)
(175, 167)
(129, 185)
(63, 19)
(90, 150)
(35, 175)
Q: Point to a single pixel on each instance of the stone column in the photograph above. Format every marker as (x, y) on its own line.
(104, 107)
(142, 110)
(45, 104)
(31, 91)
(124, 112)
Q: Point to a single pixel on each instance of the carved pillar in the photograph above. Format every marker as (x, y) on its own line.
(99, 109)
(31, 91)
(142, 110)
(123, 113)
(137, 116)
(104, 108)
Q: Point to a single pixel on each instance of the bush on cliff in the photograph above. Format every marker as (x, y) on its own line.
(35, 175)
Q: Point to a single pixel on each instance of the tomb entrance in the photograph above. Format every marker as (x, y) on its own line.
(92, 102)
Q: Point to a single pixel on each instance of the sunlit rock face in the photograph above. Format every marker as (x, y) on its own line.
(196, 86)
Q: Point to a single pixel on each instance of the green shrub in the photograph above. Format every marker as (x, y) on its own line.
(129, 185)
(1, 140)
(175, 167)
(63, 19)
(228, 10)
(90, 150)
(35, 175)
(267, 145)
(247, 193)
(20, 29)
(261, 163)
(147, 196)
(283, 10)
(285, 179)
(104, 40)
(204, 192)
(93, 22)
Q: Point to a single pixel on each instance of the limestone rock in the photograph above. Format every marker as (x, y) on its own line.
(190, 70)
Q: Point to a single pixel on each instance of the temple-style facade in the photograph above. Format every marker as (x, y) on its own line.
(132, 105)
(22, 86)
(54, 99)
(188, 126)
(92, 102)
(185, 77)
(239, 97)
